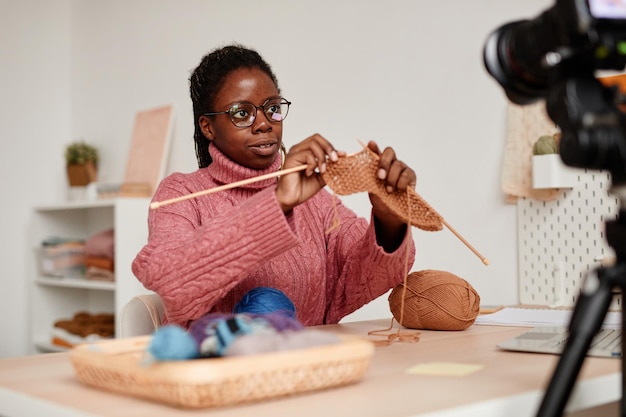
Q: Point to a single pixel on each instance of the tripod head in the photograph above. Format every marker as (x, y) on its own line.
(554, 57)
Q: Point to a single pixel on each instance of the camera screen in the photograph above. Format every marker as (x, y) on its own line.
(608, 9)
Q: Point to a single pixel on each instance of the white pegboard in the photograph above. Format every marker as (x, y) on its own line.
(559, 241)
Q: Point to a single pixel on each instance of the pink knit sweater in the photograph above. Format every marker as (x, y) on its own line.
(203, 254)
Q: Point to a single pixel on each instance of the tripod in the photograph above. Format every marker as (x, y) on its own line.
(587, 318)
(593, 129)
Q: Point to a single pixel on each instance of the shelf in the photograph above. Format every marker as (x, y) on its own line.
(47, 347)
(59, 297)
(77, 205)
(78, 282)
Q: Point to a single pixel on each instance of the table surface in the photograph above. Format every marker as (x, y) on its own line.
(509, 383)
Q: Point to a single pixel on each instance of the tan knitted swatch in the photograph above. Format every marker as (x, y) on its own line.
(357, 173)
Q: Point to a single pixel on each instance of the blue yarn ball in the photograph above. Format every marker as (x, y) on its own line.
(172, 343)
(263, 300)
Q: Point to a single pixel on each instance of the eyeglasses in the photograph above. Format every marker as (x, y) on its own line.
(243, 114)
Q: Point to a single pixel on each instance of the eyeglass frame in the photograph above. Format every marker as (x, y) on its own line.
(282, 100)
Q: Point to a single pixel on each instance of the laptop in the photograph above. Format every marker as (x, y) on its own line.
(550, 339)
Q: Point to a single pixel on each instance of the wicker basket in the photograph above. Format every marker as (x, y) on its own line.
(116, 366)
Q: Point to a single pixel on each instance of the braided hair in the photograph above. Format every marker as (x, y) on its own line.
(207, 79)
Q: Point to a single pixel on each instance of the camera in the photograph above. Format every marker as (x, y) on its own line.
(554, 57)
(572, 38)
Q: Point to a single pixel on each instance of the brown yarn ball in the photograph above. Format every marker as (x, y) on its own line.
(435, 300)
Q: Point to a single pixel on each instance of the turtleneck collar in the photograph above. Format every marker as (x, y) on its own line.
(225, 171)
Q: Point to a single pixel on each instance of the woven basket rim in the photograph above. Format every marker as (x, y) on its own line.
(115, 365)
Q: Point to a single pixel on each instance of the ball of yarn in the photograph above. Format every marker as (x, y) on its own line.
(279, 321)
(262, 300)
(172, 342)
(435, 300)
(545, 145)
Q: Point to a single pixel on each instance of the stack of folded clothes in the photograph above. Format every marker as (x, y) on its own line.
(83, 327)
(62, 257)
(99, 256)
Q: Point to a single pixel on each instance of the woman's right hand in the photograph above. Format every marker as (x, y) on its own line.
(297, 187)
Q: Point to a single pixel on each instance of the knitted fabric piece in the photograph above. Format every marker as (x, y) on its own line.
(357, 173)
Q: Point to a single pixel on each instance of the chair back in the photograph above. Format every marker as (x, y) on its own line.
(142, 315)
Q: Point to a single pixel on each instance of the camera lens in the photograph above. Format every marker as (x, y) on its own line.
(514, 56)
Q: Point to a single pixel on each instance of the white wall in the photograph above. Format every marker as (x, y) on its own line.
(35, 122)
(405, 73)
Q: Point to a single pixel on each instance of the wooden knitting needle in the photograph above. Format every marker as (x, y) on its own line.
(470, 247)
(157, 204)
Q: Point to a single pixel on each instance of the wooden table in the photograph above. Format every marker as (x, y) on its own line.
(509, 384)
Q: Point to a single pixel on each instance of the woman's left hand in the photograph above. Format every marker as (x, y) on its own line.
(397, 176)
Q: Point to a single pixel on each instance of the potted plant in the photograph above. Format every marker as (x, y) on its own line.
(82, 163)
(548, 171)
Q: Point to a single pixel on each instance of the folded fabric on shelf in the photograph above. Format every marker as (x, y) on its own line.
(83, 327)
(99, 262)
(99, 274)
(101, 244)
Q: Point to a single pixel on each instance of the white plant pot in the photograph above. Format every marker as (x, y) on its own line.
(550, 172)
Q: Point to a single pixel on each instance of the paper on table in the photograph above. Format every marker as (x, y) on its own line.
(444, 369)
(531, 317)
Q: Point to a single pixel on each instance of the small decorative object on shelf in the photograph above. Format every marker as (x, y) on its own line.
(548, 169)
(82, 163)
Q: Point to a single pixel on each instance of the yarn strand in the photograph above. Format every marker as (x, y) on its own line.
(406, 336)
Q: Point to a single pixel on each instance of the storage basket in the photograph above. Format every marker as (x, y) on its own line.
(116, 366)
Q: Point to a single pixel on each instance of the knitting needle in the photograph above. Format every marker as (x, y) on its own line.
(470, 247)
(457, 234)
(157, 204)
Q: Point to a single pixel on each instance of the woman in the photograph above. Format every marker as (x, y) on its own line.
(204, 253)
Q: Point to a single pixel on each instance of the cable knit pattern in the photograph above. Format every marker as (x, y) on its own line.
(203, 254)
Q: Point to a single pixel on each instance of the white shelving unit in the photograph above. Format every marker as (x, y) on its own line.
(54, 298)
